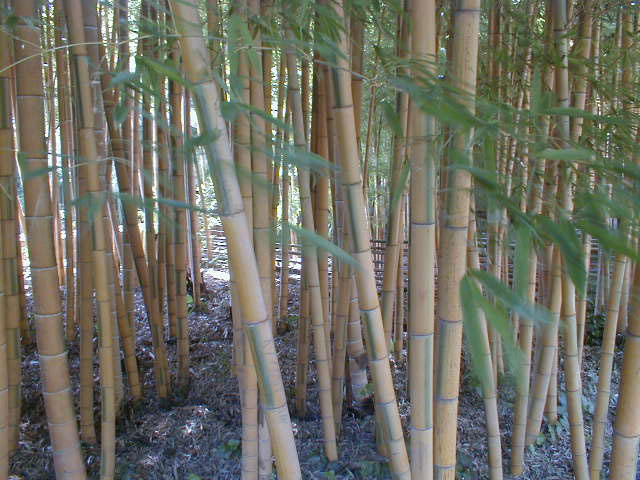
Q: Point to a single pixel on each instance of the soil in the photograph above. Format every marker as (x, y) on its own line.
(196, 434)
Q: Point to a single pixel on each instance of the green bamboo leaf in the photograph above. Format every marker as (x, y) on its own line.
(392, 118)
(536, 92)
(564, 235)
(164, 69)
(471, 296)
(312, 238)
(124, 78)
(477, 310)
(302, 158)
(516, 303)
(200, 140)
(121, 112)
(261, 113)
(612, 240)
(565, 154)
(521, 260)
(570, 112)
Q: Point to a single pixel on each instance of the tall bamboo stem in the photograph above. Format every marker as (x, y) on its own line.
(257, 326)
(310, 254)
(351, 177)
(452, 264)
(56, 386)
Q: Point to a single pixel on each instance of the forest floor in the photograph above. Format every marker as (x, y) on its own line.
(196, 435)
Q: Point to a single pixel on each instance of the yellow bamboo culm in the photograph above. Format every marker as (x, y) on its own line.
(6, 140)
(453, 245)
(89, 151)
(421, 138)
(257, 326)
(56, 386)
(10, 250)
(312, 275)
(351, 178)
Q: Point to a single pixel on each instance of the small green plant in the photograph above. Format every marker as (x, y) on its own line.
(465, 468)
(595, 327)
(230, 448)
(330, 475)
(373, 469)
(367, 390)
(190, 303)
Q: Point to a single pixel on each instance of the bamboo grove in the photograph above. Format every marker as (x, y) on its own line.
(462, 177)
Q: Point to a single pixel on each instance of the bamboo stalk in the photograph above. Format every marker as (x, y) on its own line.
(421, 138)
(489, 393)
(97, 195)
(257, 326)
(351, 177)
(601, 411)
(571, 364)
(310, 265)
(56, 386)
(626, 431)
(8, 300)
(453, 241)
(10, 246)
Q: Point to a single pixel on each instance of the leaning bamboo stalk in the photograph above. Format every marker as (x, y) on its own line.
(451, 262)
(310, 265)
(257, 327)
(351, 177)
(56, 386)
